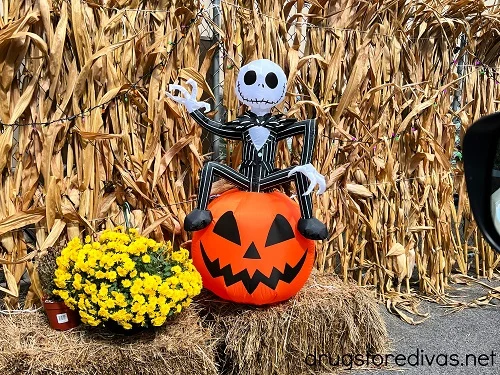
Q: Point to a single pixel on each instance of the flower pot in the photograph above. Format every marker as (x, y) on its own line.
(60, 316)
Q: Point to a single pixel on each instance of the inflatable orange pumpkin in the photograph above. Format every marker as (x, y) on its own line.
(252, 251)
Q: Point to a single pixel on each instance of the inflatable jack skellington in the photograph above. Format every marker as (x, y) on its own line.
(260, 85)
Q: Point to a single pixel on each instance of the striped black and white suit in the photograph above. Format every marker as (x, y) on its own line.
(257, 170)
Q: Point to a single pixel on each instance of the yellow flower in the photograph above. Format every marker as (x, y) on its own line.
(59, 272)
(129, 265)
(143, 310)
(126, 325)
(103, 292)
(146, 258)
(136, 286)
(60, 283)
(163, 288)
(121, 271)
(138, 319)
(126, 283)
(77, 285)
(164, 309)
(120, 299)
(140, 299)
(173, 280)
(81, 304)
(120, 315)
(93, 322)
(177, 256)
(111, 275)
(103, 312)
(158, 321)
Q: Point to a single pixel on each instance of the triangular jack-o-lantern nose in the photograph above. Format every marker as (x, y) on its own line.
(252, 252)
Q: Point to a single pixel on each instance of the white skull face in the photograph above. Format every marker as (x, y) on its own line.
(261, 85)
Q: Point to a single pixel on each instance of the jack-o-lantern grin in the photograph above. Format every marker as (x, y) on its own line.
(251, 283)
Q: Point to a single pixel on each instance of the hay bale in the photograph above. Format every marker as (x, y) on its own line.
(29, 346)
(326, 317)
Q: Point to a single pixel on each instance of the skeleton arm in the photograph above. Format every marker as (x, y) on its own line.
(215, 127)
(194, 109)
(308, 128)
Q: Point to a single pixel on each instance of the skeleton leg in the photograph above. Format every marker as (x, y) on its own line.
(207, 175)
(308, 226)
(280, 177)
(200, 217)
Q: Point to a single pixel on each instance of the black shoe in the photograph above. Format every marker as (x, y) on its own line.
(312, 228)
(197, 219)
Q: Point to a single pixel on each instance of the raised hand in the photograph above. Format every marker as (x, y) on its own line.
(189, 100)
(313, 175)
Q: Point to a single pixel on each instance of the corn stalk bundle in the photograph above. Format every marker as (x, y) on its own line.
(92, 79)
(380, 76)
(87, 130)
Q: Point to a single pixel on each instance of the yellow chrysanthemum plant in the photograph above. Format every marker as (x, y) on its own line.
(125, 278)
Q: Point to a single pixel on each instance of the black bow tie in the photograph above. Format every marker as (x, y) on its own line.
(250, 119)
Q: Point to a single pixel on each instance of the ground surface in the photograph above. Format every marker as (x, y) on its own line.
(453, 337)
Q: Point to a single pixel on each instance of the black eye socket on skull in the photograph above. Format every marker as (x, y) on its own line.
(271, 80)
(250, 77)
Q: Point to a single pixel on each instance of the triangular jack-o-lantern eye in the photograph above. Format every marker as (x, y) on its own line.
(227, 228)
(280, 231)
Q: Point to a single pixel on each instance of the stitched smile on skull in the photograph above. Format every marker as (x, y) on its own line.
(261, 84)
(253, 100)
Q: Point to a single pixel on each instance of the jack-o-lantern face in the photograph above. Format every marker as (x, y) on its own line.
(252, 251)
